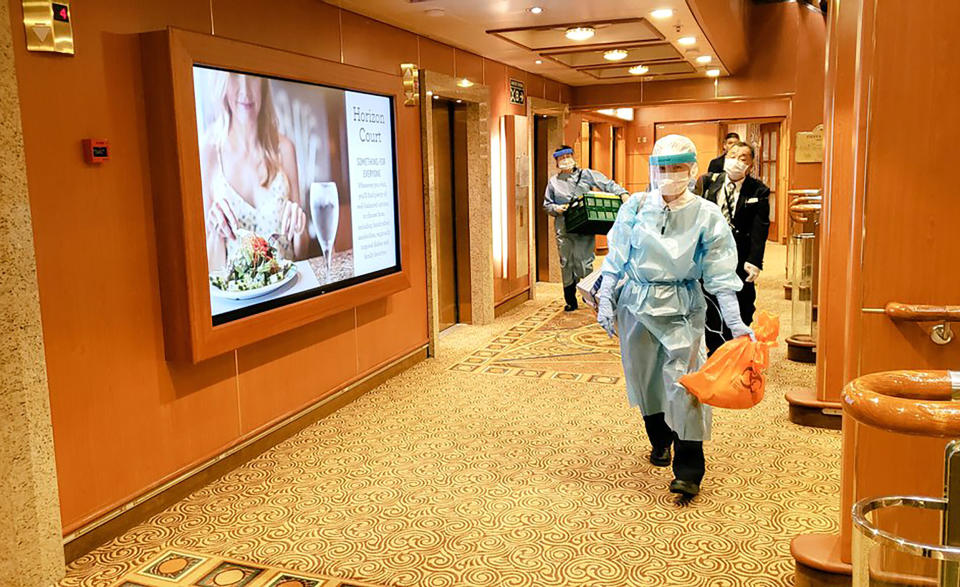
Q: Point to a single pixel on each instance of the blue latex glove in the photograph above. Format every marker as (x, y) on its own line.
(730, 311)
(605, 316)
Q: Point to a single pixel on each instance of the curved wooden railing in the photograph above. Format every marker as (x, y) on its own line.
(922, 313)
(803, 212)
(908, 402)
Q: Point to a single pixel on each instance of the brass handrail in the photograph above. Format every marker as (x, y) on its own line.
(922, 313)
(907, 402)
(798, 211)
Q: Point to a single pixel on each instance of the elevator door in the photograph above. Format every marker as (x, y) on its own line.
(443, 169)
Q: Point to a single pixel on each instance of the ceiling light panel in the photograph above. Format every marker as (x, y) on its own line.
(615, 55)
(644, 53)
(543, 38)
(581, 33)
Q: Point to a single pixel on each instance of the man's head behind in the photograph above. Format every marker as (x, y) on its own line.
(730, 140)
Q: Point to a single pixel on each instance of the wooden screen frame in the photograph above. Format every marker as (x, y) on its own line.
(168, 60)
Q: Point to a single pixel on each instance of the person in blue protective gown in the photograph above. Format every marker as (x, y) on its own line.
(660, 247)
(576, 250)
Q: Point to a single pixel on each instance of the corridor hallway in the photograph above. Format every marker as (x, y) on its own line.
(445, 477)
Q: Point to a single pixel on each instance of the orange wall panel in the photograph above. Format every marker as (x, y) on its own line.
(437, 57)
(302, 26)
(602, 156)
(469, 66)
(808, 102)
(535, 86)
(551, 90)
(375, 45)
(910, 218)
(771, 67)
(725, 25)
(687, 90)
(294, 369)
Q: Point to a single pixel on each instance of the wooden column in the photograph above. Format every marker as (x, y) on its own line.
(889, 226)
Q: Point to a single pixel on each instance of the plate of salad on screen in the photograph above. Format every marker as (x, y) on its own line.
(254, 268)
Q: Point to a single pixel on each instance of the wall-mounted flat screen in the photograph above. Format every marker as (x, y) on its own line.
(299, 189)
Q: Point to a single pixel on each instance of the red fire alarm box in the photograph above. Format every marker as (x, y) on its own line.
(96, 150)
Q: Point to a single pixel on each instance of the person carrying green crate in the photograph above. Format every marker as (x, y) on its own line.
(576, 250)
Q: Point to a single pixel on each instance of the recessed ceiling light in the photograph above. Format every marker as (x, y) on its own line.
(713, 72)
(465, 83)
(580, 33)
(638, 69)
(615, 55)
(535, 10)
(539, 61)
(704, 59)
(436, 97)
(662, 13)
(687, 41)
(435, 12)
(459, 101)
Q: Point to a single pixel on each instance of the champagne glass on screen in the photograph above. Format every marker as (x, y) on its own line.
(325, 212)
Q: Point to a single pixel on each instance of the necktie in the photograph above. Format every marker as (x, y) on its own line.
(727, 207)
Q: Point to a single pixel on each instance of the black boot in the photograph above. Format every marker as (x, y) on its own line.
(688, 467)
(570, 296)
(661, 437)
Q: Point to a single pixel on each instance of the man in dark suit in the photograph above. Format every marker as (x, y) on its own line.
(745, 203)
(716, 165)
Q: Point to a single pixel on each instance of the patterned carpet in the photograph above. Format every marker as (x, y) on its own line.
(443, 477)
(550, 344)
(188, 568)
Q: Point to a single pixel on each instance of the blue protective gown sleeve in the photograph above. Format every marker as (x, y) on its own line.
(730, 312)
(605, 184)
(720, 256)
(550, 205)
(618, 239)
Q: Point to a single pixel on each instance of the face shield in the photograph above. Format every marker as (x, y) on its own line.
(673, 165)
(564, 159)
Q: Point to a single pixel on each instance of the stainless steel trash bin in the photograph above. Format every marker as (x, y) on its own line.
(892, 543)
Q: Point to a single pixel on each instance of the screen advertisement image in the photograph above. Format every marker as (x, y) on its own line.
(299, 189)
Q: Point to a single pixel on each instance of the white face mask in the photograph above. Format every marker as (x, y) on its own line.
(672, 184)
(735, 168)
(566, 164)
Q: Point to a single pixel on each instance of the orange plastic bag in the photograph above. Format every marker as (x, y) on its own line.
(733, 377)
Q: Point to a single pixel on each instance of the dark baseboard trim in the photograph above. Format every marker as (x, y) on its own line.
(115, 523)
(513, 302)
(807, 410)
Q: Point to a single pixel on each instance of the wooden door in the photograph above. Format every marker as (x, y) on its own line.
(767, 168)
(445, 215)
(511, 275)
(541, 163)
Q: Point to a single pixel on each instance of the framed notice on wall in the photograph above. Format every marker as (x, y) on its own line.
(310, 228)
(810, 146)
(518, 92)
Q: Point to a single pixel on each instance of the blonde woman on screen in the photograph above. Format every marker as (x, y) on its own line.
(249, 173)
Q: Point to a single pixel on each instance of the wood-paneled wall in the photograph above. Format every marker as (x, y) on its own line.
(888, 225)
(125, 420)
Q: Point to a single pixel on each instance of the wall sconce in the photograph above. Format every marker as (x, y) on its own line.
(411, 83)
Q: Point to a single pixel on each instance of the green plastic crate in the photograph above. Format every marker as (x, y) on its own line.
(593, 214)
